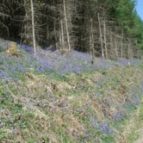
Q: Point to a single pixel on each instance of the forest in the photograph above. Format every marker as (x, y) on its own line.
(103, 28)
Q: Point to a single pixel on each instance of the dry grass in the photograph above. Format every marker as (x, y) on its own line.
(46, 109)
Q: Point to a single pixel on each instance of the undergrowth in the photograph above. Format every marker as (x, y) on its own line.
(39, 105)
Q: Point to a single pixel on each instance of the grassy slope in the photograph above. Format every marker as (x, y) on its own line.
(91, 106)
(132, 129)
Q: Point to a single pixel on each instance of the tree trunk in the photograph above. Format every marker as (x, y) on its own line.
(122, 42)
(33, 27)
(62, 36)
(92, 40)
(101, 42)
(111, 44)
(116, 47)
(66, 26)
(105, 42)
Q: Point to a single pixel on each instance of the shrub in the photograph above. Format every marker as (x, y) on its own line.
(12, 49)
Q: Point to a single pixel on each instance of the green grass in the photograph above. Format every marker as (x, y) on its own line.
(47, 107)
(135, 131)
